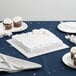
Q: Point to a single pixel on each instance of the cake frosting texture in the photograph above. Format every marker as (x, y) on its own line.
(7, 21)
(37, 40)
(17, 19)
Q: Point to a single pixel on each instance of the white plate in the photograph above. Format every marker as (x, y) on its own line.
(68, 61)
(69, 27)
(14, 29)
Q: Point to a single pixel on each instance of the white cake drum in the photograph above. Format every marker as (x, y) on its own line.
(68, 27)
(18, 29)
(37, 42)
(68, 61)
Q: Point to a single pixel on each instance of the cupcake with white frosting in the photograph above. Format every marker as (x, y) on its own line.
(7, 23)
(17, 21)
(73, 52)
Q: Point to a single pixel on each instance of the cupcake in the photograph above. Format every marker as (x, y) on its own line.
(73, 52)
(74, 59)
(7, 23)
(17, 21)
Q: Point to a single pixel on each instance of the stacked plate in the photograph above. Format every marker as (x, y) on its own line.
(68, 27)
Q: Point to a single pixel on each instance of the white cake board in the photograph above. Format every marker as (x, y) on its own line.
(34, 54)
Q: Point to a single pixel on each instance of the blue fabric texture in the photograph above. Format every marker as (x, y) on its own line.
(52, 64)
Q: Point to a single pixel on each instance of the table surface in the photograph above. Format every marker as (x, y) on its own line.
(52, 62)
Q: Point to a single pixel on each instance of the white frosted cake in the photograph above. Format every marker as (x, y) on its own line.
(37, 40)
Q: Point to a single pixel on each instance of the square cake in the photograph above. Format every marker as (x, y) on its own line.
(37, 40)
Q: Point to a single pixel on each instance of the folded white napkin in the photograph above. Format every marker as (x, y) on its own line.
(12, 64)
(37, 42)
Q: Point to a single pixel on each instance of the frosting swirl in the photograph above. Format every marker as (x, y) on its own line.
(17, 19)
(7, 21)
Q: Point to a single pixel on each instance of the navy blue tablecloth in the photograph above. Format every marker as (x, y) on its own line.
(52, 62)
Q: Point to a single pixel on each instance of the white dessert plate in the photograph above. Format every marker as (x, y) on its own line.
(68, 61)
(14, 29)
(69, 27)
